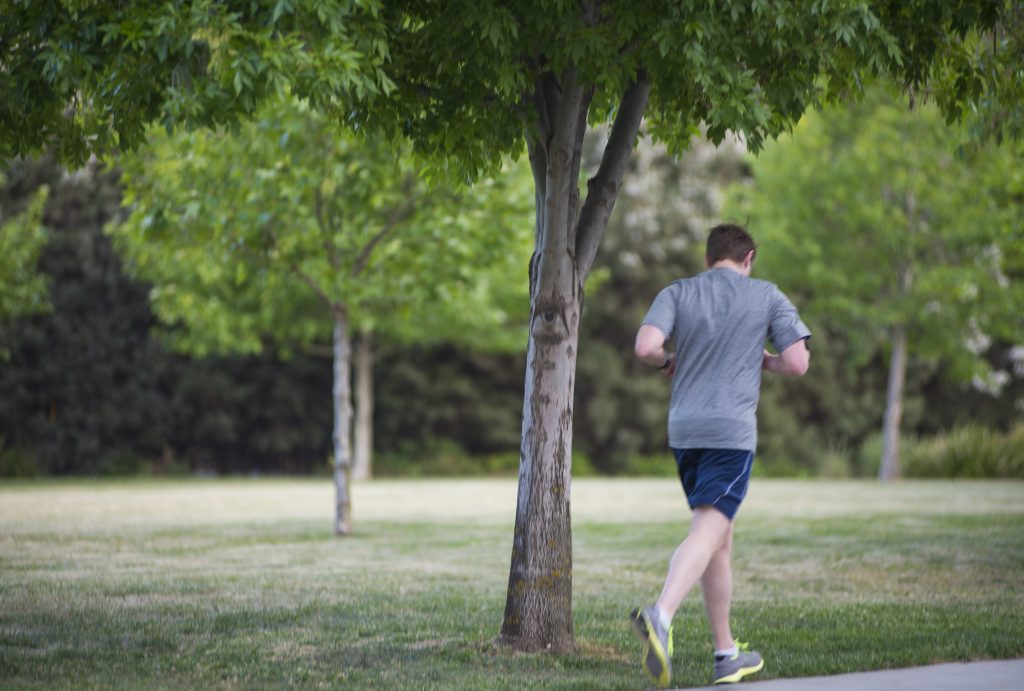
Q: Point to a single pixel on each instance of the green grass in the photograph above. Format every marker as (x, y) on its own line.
(241, 584)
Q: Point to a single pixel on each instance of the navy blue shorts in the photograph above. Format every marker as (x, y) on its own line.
(715, 477)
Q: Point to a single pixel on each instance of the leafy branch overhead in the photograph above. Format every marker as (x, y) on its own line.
(87, 77)
(469, 78)
(84, 78)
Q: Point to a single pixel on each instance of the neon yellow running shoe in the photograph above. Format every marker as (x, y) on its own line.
(657, 644)
(732, 669)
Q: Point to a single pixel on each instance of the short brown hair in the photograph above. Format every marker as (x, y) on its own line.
(729, 241)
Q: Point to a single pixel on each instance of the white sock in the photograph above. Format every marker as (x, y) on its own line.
(664, 619)
(726, 653)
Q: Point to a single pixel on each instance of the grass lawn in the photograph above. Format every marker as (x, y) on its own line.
(241, 584)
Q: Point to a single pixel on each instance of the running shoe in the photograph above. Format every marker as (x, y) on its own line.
(730, 670)
(657, 642)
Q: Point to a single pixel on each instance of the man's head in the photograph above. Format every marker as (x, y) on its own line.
(732, 243)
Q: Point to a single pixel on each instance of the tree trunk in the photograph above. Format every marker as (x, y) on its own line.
(362, 467)
(342, 426)
(890, 468)
(538, 606)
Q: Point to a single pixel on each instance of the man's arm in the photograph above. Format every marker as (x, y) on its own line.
(791, 362)
(650, 347)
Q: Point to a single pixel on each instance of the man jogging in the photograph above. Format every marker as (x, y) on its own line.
(719, 321)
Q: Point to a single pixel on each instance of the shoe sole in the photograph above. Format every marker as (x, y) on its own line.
(740, 673)
(655, 659)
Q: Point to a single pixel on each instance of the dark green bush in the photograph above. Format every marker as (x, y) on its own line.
(969, 451)
(653, 465)
(868, 459)
(445, 458)
(17, 462)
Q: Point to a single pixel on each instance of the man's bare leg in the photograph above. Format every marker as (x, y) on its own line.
(709, 532)
(716, 585)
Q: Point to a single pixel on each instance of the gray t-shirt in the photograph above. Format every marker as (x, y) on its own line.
(719, 321)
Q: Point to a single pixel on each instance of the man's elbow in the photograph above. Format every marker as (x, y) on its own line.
(802, 362)
(649, 341)
(644, 350)
(800, 368)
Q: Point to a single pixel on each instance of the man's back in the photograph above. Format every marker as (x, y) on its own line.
(719, 321)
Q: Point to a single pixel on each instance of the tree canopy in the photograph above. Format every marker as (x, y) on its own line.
(81, 77)
(255, 236)
(469, 76)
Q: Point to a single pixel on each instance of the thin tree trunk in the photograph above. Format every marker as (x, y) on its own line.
(342, 426)
(362, 468)
(890, 465)
(890, 468)
(538, 606)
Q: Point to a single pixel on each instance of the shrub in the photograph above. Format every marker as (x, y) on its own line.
(835, 462)
(869, 456)
(16, 462)
(654, 465)
(445, 458)
(970, 451)
(1013, 460)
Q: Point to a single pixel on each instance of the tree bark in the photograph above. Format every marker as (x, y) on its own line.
(890, 468)
(362, 467)
(538, 606)
(342, 394)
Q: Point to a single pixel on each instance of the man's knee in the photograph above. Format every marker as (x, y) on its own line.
(712, 527)
(723, 549)
(726, 548)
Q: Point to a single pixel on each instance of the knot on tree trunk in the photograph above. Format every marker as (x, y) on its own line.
(553, 321)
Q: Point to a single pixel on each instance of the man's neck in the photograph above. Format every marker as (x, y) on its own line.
(732, 266)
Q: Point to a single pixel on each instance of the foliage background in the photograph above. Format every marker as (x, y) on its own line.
(88, 387)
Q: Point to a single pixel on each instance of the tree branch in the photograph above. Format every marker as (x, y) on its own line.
(561, 203)
(577, 160)
(538, 139)
(430, 93)
(628, 48)
(329, 248)
(315, 287)
(398, 214)
(546, 96)
(603, 188)
(539, 166)
(302, 275)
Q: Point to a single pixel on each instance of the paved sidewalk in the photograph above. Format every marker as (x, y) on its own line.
(955, 676)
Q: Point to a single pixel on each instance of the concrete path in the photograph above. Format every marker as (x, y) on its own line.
(956, 676)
